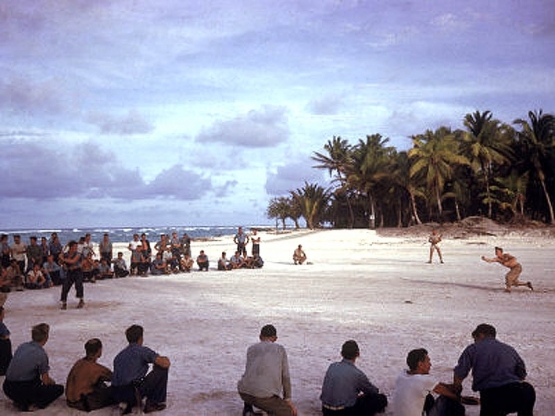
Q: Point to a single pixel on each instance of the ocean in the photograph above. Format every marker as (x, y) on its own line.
(125, 234)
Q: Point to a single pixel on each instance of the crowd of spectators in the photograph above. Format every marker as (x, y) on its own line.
(37, 264)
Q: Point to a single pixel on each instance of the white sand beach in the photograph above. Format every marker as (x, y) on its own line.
(376, 290)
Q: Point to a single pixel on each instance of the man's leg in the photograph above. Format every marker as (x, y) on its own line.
(102, 396)
(44, 395)
(510, 398)
(367, 405)
(275, 406)
(154, 385)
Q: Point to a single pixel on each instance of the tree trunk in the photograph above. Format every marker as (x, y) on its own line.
(414, 210)
(548, 199)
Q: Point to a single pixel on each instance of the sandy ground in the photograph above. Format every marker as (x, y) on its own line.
(374, 289)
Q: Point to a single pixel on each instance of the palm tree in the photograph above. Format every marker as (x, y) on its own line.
(484, 146)
(435, 155)
(537, 140)
(337, 160)
(400, 176)
(511, 191)
(369, 169)
(312, 200)
(279, 208)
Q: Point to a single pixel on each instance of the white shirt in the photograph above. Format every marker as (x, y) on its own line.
(410, 393)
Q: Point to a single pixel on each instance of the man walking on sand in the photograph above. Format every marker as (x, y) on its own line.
(511, 278)
(434, 240)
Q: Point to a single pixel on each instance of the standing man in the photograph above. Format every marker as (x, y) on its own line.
(347, 390)
(413, 389)
(85, 387)
(105, 248)
(27, 380)
(72, 261)
(241, 239)
(186, 244)
(255, 242)
(511, 278)
(498, 373)
(131, 381)
(18, 250)
(434, 240)
(34, 254)
(266, 377)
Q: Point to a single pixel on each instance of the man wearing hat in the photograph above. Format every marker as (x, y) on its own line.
(498, 373)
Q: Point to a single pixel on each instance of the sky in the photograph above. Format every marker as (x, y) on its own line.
(178, 112)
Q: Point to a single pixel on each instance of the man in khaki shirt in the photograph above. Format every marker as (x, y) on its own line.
(85, 386)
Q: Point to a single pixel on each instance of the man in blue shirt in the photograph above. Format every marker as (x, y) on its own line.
(130, 380)
(498, 373)
(347, 390)
(27, 380)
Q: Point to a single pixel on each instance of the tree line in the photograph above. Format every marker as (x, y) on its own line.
(489, 168)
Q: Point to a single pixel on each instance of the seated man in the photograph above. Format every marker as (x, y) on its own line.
(413, 389)
(131, 381)
(498, 373)
(85, 387)
(52, 270)
(236, 261)
(347, 390)
(187, 263)
(27, 380)
(120, 266)
(266, 383)
(35, 278)
(5, 344)
(223, 262)
(158, 266)
(299, 255)
(202, 261)
(104, 270)
(257, 261)
(14, 275)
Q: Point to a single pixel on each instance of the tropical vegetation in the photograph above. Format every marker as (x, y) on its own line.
(502, 171)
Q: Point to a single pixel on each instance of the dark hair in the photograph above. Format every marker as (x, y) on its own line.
(39, 333)
(134, 333)
(72, 243)
(499, 248)
(92, 346)
(350, 350)
(416, 356)
(484, 329)
(1, 310)
(268, 331)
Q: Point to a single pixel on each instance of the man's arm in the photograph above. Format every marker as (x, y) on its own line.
(492, 260)
(162, 361)
(46, 379)
(451, 391)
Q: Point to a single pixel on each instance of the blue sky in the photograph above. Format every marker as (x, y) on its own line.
(177, 112)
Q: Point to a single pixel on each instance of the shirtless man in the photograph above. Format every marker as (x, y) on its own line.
(434, 240)
(511, 278)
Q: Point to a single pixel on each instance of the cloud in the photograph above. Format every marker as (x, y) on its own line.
(288, 177)
(328, 105)
(266, 127)
(131, 123)
(22, 96)
(177, 183)
(34, 171)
